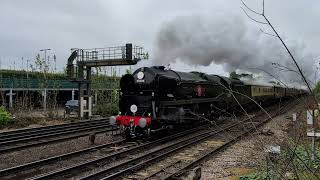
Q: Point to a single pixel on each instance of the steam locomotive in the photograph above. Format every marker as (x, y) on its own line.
(155, 98)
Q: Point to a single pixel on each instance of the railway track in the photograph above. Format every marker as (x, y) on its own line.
(46, 128)
(20, 139)
(119, 148)
(117, 159)
(221, 137)
(153, 156)
(177, 166)
(80, 169)
(24, 169)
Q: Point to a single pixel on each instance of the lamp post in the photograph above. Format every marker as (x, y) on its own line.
(44, 93)
(55, 63)
(27, 68)
(45, 55)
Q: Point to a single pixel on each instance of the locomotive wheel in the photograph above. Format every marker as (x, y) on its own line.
(195, 110)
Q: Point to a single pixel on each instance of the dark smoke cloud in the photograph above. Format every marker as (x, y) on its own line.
(228, 40)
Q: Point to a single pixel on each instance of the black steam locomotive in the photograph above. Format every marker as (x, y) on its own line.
(154, 98)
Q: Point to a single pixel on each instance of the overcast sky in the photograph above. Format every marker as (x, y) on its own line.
(28, 26)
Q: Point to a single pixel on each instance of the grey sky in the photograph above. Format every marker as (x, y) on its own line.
(27, 26)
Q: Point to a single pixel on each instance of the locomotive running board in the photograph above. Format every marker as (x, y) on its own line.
(190, 101)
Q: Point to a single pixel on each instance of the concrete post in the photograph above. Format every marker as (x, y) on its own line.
(81, 107)
(45, 99)
(96, 97)
(72, 94)
(90, 107)
(10, 99)
(313, 145)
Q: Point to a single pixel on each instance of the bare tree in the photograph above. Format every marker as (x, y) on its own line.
(292, 150)
(267, 22)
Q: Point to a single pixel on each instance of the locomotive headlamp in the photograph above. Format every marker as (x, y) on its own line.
(142, 122)
(133, 108)
(112, 120)
(140, 75)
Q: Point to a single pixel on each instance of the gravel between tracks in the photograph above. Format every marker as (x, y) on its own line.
(241, 157)
(36, 153)
(244, 156)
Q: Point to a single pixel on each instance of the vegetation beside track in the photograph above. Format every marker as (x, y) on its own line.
(316, 91)
(295, 158)
(301, 161)
(25, 104)
(5, 116)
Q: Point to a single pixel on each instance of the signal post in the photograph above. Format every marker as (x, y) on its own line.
(81, 62)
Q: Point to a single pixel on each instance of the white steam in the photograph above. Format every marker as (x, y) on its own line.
(198, 40)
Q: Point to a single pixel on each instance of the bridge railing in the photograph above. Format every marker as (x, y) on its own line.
(119, 52)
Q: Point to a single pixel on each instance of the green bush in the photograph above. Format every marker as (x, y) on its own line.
(304, 157)
(107, 109)
(316, 90)
(5, 116)
(107, 103)
(5, 73)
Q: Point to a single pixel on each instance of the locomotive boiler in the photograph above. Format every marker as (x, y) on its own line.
(155, 98)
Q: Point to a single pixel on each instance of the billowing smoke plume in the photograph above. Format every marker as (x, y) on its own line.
(229, 41)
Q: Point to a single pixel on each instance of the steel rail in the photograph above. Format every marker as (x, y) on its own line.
(106, 128)
(46, 128)
(46, 161)
(66, 170)
(215, 151)
(46, 135)
(155, 156)
(32, 135)
(63, 171)
(223, 146)
(161, 170)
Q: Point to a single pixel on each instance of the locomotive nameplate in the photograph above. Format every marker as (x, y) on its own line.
(199, 90)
